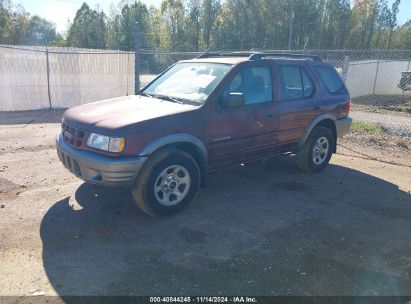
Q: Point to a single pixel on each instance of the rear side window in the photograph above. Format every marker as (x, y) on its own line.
(331, 79)
(295, 83)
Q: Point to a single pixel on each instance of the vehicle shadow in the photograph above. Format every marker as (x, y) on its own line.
(259, 229)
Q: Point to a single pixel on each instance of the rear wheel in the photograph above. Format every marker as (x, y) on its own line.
(317, 150)
(168, 181)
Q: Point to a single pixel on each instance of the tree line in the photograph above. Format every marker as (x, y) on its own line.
(196, 25)
(20, 28)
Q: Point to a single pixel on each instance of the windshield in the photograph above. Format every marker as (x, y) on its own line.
(190, 81)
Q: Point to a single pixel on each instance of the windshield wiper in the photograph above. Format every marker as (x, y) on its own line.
(169, 98)
(146, 94)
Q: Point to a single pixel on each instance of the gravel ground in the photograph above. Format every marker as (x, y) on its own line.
(260, 229)
(394, 123)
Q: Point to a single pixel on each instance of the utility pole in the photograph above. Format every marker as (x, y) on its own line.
(137, 55)
(290, 36)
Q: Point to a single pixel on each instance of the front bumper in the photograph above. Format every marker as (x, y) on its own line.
(99, 169)
(343, 126)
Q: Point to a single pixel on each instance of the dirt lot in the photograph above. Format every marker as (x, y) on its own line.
(260, 229)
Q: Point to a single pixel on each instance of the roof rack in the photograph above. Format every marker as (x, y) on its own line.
(231, 54)
(259, 56)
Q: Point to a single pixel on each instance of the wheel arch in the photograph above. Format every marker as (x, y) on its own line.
(325, 120)
(184, 142)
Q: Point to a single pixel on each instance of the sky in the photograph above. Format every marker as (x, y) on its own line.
(60, 11)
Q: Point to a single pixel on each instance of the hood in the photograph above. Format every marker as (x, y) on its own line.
(122, 111)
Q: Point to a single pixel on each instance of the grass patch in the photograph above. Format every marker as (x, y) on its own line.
(367, 127)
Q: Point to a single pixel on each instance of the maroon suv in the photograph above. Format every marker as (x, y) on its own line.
(204, 114)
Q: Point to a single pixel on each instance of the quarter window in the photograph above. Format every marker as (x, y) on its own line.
(331, 79)
(295, 82)
(255, 83)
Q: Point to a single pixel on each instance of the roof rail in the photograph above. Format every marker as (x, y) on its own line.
(259, 56)
(231, 54)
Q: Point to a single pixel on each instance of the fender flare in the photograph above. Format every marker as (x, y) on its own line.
(172, 139)
(312, 125)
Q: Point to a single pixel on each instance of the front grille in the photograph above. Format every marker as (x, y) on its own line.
(72, 136)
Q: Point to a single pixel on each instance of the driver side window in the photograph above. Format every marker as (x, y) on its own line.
(255, 83)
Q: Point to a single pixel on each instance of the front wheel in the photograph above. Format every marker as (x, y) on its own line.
(317, 150)
(169, 181)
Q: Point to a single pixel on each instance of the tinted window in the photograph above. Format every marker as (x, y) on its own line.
(331, 79)
(307, 83)
(295, 83)
(255, 83)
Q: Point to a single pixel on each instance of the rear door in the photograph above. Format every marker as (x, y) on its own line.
(298, 103)
(248, 132)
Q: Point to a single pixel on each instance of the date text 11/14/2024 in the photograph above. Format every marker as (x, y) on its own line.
(203, 299)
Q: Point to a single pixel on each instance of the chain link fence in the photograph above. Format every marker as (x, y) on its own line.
(379, 82)
(51, 78)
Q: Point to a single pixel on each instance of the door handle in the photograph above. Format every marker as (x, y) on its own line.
(269, 114)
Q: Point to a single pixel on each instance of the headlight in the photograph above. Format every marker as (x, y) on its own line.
(105, 143)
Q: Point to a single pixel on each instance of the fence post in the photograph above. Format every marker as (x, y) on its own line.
(345, 68)
(48, 74)
(137, 60)
(376, 76)
(128, 59)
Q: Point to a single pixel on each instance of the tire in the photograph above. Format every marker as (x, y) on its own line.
(168, 182)
(311, 158)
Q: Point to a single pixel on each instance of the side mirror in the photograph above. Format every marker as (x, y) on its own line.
(233, 100)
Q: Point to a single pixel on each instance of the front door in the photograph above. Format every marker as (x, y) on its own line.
(244, 133)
